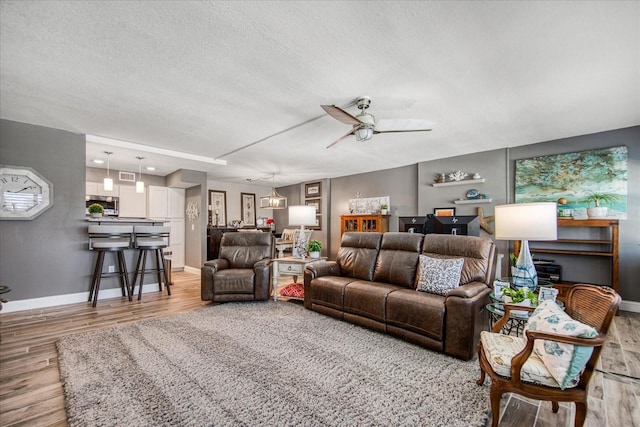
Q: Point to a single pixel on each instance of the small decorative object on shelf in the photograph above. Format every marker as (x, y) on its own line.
(271, 223)
(441, 178)
(457, 176)
(473, 194)
(476, 176)
(384, 208)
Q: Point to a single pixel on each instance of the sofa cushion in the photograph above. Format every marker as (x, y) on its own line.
(438, 275)
(367, 299)
(398, 259)
(564, 361)
(476, 251)
(419, 312)
(358, 253)
(243, 250)
(328, 291)
(233, 281)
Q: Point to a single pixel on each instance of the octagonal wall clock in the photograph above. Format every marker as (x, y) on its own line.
(24, 193)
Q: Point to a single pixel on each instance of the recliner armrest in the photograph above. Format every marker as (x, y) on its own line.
(217, 264)
(262, 263)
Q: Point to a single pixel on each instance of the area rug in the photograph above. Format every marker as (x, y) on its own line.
(268, 363)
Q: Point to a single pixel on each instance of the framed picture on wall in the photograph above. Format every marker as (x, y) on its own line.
(444, 211)
(315, 203)
(217, 208)
(248, 208)
(312, 189)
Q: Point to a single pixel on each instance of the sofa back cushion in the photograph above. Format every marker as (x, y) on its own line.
(478, 254)
(398, 259)
(243, 250)
(358, 253)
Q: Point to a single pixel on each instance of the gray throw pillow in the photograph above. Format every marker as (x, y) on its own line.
(439, 275)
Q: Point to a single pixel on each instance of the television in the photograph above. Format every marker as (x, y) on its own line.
(464, 225)
(412, 224)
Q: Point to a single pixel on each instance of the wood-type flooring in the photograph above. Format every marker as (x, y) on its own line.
(31, 393)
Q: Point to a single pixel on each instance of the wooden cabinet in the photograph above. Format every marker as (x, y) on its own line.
(97, 189)
(603, 244)
(366, 223)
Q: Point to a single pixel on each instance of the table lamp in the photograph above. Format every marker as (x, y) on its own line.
(301, 215)
(526, 221)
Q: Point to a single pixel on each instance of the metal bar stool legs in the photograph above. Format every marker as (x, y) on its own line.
(154, 239)
(114, 239)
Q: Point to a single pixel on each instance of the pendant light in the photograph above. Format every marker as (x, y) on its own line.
(139, 182)
(108, 182)
(273, 200)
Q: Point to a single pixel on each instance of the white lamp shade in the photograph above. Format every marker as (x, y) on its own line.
(526, 221)
(108, 184)
(302, 215)
(139, 187)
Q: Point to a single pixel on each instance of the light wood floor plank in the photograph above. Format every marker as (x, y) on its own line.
(31, 393)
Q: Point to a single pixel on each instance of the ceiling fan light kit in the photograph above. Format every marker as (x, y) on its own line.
(364, 124)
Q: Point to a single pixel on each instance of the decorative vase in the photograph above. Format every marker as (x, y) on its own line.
(383, 211)
(314, 254)
(96, 215)
(598, 212)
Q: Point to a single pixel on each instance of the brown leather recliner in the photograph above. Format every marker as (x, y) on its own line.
(241, 273)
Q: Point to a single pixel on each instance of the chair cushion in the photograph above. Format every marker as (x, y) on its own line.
(564, 361)
(499, 349)
(233, 281)
(438, 275)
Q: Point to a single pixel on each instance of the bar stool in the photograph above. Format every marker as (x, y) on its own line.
(114, 239)
(153, 238)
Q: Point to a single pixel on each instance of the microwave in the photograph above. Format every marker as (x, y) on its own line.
(109, 203)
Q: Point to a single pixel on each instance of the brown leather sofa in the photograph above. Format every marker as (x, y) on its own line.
(372, 283)
(241, 272)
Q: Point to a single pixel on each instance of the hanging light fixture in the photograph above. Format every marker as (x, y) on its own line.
(273, 200)
(139, 182)
(108, 182)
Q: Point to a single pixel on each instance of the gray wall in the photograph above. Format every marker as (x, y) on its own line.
(48, 255)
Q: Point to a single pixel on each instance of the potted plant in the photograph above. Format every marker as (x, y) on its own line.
(314, 247)
(599, 199)
(384, 208)
(96, 210)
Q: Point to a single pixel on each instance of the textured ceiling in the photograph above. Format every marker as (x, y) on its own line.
(209, 78)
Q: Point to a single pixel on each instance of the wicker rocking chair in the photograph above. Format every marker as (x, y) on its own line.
(588, 304)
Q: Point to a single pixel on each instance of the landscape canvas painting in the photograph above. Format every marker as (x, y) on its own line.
(574, 176)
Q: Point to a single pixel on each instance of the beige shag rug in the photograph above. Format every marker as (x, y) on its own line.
(266, 363)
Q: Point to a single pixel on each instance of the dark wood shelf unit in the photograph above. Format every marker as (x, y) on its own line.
(612, 244)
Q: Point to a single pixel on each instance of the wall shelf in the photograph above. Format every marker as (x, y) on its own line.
(454, 183)
(471, 201)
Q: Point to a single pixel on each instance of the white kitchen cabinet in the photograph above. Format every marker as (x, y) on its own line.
(97, 189)
(132, 204)
(177, 243)
(176, 198)
(157, 202)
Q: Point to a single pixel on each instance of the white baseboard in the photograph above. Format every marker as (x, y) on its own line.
(192, 270)
(632, 306)
(44, 302)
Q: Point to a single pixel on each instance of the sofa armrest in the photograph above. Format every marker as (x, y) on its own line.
(465, 318)
(329, 268)
(468, 290)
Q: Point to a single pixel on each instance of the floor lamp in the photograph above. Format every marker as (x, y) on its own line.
(301, 215)
(526, 221)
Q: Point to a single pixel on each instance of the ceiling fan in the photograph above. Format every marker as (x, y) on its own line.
(364, 124)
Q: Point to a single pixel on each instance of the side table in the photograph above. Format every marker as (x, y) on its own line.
(289, 266)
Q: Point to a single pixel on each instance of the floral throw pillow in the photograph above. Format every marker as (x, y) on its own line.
(438, 275)
(565, 362)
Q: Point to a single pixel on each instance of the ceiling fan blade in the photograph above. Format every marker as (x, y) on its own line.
(355, 128)
(340, 115)
(401, 130)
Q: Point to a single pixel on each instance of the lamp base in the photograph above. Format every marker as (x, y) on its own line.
(524, 273)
